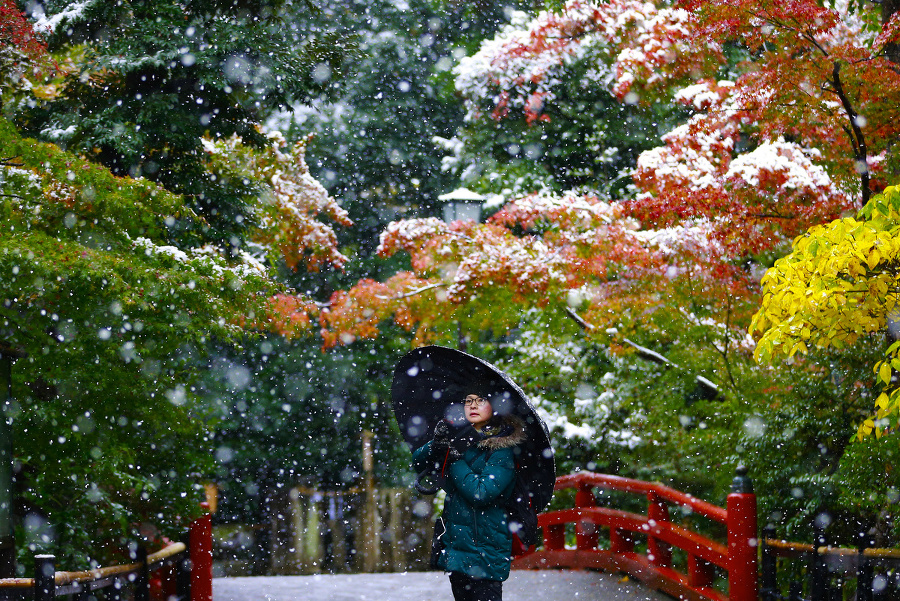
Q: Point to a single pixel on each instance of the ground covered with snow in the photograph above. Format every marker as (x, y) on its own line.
(546, 585)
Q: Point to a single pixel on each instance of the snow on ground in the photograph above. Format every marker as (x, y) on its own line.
(546, 585)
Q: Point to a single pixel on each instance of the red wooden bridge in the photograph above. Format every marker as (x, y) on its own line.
(642, 544)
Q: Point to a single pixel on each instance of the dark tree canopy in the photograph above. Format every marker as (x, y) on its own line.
(159, 75)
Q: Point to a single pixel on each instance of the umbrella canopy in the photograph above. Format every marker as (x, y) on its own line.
(430, 384)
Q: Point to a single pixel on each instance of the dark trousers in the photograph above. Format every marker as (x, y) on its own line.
(466, 588)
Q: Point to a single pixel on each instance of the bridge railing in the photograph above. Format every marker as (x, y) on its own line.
(737, 556)
(825, 571)
(179, 571)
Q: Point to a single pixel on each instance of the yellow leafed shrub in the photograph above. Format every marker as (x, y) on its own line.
(840, 282)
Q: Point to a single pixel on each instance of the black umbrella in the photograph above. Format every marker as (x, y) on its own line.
(430, 384)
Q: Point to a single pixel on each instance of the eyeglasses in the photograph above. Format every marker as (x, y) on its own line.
(477, 402)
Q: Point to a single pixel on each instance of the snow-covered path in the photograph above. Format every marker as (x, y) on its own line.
(543, 585)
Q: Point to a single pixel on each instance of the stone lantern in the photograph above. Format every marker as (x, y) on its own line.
(462, 204)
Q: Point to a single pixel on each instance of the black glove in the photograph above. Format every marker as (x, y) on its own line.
(441, 454)
(442, 433)
(441, 448)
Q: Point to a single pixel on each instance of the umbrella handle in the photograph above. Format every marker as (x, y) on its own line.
(421, 483)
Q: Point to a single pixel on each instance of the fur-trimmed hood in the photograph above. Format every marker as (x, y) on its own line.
(502, 432)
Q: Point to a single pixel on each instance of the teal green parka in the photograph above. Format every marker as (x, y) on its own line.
(478, 541)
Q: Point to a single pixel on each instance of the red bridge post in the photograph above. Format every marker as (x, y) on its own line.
(658, 512)
(585, 532)
(200, 549)
(743, 539)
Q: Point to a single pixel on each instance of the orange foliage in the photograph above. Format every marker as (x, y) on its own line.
(357, 312)
(290, 315)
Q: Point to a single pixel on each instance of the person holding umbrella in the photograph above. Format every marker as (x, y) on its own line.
(474, 433)
(478, 474)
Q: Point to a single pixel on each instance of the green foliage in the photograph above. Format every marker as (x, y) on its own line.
(611, 410)
(112, 317)
(159, 75)
(799, 444)
(586, 137)
(288, 414)
(373, 146)
(870, 484)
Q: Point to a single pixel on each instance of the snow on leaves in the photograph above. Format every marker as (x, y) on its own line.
(470, 258)
(292, 201)
(537, 251)
(723, 170)
(754, 201)
(632, 48)
(206, 260)
(816, 75)
(73, 11)
(811, 99)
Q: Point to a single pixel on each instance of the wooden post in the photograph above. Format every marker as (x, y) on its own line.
(200, 548)
(555, 537)
(585, 532)
(864, 571)
(620, 541)
(296, 528)
(281, 538)
(168, 581)
(142, 578)
(183, 579)
(395, 521)
(700, 572)
(313, 549)
(818, 571)
(369, 542)
(768, 567)
(742, 539)
(114, 591)
(659, 551)
(44, 578)
(338, 534)
(305, 526)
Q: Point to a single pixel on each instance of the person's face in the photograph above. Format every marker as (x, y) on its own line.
(478, 411)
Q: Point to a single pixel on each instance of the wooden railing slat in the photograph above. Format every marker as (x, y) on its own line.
(166, 553)
(88, 575)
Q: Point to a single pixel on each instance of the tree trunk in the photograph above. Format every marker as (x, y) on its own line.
(892, 52)
(888, 9)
